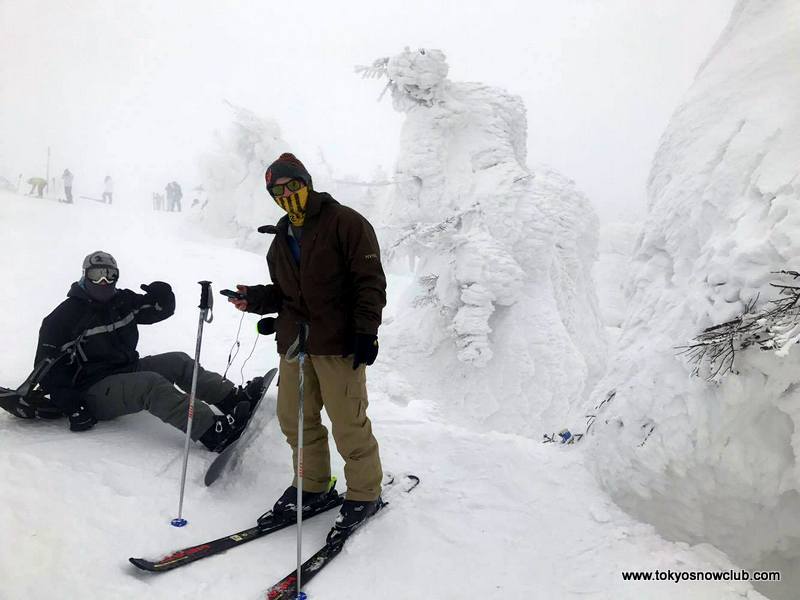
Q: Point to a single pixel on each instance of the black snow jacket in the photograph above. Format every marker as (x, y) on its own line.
(90, 340)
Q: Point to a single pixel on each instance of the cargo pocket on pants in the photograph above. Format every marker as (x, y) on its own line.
(356, 394)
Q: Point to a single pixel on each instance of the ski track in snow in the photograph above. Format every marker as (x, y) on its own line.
(496, 515)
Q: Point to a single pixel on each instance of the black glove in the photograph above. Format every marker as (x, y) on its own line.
(157, 289)
(365, 349)
(266, 326)
(161, 294)
(81, 420)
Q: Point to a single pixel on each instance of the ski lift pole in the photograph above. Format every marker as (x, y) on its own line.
(206, 316)
(302, 337)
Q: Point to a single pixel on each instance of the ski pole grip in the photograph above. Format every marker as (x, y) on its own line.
(206, 300)
(302, 336)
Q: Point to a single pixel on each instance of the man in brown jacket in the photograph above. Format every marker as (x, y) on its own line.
(326, 271)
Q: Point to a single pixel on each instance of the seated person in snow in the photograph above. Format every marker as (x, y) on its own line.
(97, 373)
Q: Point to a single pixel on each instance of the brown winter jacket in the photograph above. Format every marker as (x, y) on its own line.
(339, 287)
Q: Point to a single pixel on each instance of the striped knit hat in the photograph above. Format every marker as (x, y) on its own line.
(287, 165)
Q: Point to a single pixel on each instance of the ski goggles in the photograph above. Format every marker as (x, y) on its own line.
(107, 275)
(280, 188)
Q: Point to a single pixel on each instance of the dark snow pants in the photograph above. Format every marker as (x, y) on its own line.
(152, 388)
(330, 383)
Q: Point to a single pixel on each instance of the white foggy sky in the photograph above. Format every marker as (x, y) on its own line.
(135, 88)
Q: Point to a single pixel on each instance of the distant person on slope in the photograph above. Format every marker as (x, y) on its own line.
(38, 184)
(108, 189)
(98, 374)
(158, 201)
(68, 178)
(177, 195)
(326, 271)
(174, 195)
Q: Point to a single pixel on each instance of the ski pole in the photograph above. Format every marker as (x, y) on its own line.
(301, 359)
(206, 316)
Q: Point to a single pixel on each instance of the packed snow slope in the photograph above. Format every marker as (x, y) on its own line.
(496, 515)
(702, 461)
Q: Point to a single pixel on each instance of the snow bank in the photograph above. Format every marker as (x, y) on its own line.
(504, 303)
(702, 461)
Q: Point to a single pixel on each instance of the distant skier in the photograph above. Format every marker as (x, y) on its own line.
(98, 374)
(174, 195)
(158, 201)
(168, 192)
(68, 178)
(108, 189)
(38, 184)
(177, 195)
(340, 291)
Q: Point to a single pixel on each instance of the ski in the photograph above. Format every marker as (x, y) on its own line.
(286, 588)
(185, 556)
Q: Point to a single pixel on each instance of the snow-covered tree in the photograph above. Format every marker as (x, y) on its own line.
(504, 308)
(233, 177)
(708, 461)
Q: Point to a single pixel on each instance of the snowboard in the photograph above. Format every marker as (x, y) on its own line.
(232, 452)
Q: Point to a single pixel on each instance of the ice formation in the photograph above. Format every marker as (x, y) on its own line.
(703, 461)
(503, 313)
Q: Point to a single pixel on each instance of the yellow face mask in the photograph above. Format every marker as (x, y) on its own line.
(295, 205)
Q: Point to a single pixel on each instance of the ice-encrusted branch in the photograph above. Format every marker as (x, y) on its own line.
(374, 71)
(775, 327)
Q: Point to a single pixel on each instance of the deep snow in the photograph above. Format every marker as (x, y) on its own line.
(496, 515)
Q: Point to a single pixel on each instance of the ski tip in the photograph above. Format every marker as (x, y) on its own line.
(140, 563)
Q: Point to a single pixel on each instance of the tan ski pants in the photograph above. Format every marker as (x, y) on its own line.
(331, 383)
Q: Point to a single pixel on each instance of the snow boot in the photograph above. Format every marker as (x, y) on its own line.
(227, 428)
(249, 392)
(286, 505)
(351, 516)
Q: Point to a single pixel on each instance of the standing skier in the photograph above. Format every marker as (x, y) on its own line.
(169, 194)
(97, 373)
(325, 267)
(108, 189)
(177, 195)
(68, 177)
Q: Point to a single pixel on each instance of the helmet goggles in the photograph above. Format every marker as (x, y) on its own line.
(102, 275)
